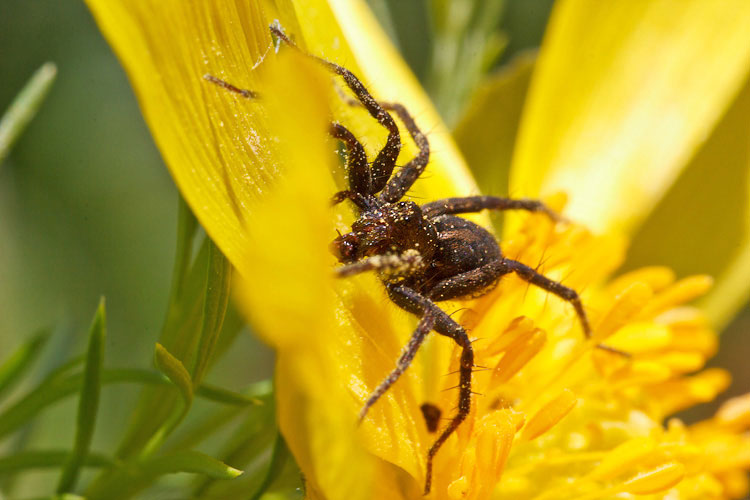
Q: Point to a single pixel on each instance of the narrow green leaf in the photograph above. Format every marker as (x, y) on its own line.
(208, 425)
(24, 107)
(214, 308)
(466, 43)
(15, 365)
(175, 371)
(248, 446)
(278, 460)
(88, 404)
(126, 481)
(180, 334)
(45, 459)
(189, 461)
(179, 376)
(52, 390)
(187, 225)
(221, 395)
(64, 496)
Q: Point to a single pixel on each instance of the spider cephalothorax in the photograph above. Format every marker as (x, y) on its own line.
(389, 228)
(423, 254)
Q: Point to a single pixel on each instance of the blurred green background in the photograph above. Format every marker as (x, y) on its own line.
(87, 207)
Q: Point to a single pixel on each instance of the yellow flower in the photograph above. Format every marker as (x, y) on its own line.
(557, 418)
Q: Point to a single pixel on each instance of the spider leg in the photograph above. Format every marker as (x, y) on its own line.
(412, 301)
(395, 264)
(384, 163)
(410, 350)
(477, 203)
(363, 202)
(400, 183)
(357, 169)
(530, 275)
(475, 282)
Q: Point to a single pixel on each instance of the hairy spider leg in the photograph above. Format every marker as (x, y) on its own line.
(410, 300)
(363, 202)
(468, 204)
(357, 170)
(356, 161)
(407, 355)
(402, 181)
(530, 275)
(383, 165)
(396, 264)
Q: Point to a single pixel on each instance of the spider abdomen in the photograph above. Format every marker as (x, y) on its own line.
(459, 268)
(462, 246)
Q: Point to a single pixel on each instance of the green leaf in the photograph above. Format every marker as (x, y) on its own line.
(207, 426)
(221, 395)
(46, 459)
(180, 334)
(187, 225)
(279, 458)
(248, 446)
(24, 107)
(467, 42)
(15, 365)
(189, 461)
(176, 372)
(128, 480)
(214, 308)
(179, 376)
(64, 496)
(88, 404)
(55, 388)
(486, 133)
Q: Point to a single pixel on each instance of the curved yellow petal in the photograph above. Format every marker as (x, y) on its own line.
(702, 225)
(347, 32)
(216, 143)
(262, 194)
(212, 141)
(623, 94)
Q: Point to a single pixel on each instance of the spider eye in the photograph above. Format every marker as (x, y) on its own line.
(409, 212)
(345, 247)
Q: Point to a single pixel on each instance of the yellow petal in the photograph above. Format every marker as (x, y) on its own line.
(703, 223)
(550, 414)
(623, 94)
(655, 480)
(215, 143)
(345, 31)
(290, 299)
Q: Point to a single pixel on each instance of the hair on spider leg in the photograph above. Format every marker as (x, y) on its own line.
(475, 369)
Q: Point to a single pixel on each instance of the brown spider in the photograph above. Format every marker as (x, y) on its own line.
(423, 254)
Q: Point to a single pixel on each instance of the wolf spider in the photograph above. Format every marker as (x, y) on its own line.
(423, 253)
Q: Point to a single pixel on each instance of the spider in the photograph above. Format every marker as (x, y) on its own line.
(423, 254)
